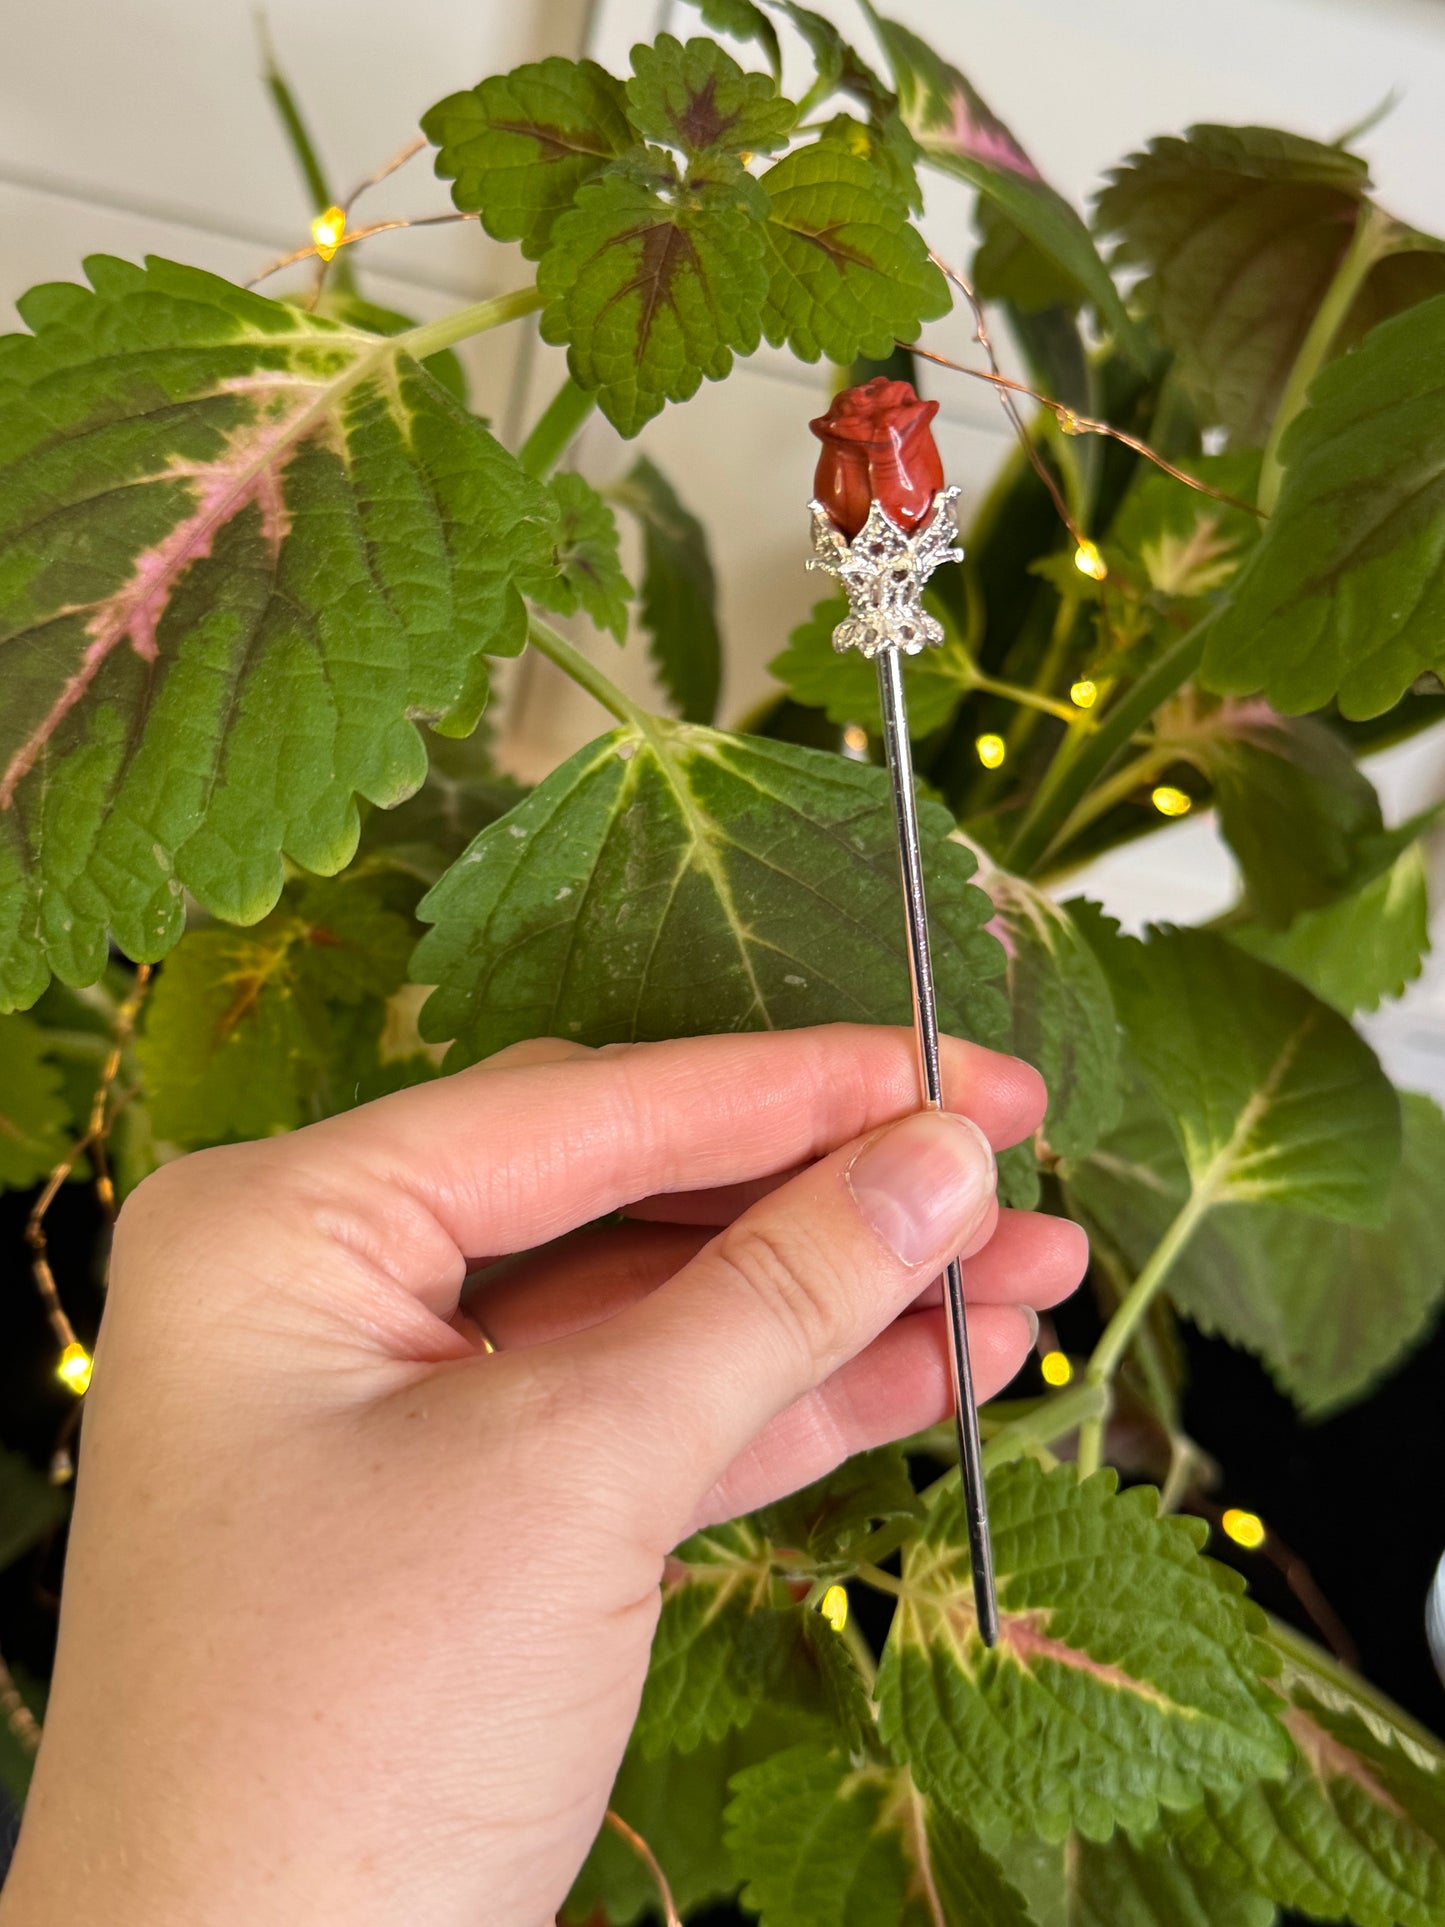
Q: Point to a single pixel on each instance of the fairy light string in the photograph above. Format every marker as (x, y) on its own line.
(639, 1846)
(74, 1364)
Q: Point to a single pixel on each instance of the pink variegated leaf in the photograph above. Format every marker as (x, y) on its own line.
(243, 550)
(1127, 1678)
(959, 134)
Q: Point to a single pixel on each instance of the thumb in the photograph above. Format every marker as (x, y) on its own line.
(786, 1294)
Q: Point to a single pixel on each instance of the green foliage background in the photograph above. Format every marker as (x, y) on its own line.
(254, 564)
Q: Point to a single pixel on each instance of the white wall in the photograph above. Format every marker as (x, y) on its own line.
(134, 126)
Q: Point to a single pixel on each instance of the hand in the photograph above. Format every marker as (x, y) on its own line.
(357, 1616)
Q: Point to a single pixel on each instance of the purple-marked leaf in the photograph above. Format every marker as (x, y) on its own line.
(847, 272)
(960, 135)
(518, 146)
(1126, 1678)
(697, 98)
(1357, 1830)
(654, 285)
(242, 551)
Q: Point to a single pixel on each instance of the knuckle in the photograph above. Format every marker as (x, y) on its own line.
(789, 1277)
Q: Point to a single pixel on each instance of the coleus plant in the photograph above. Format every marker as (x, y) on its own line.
(256, 559)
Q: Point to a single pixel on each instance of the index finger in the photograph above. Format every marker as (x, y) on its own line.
(509, 1157)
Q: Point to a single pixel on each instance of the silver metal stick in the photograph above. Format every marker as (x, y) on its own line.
(883, 569)
(899, 754)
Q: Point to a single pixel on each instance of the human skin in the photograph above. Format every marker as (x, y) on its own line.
(356, 1614)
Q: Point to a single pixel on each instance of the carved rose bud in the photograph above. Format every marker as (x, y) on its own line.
(878, 447)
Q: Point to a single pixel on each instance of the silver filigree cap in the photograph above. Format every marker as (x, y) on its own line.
(883, 571)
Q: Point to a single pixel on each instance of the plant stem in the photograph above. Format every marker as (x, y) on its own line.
(1029, 699)
(586, 674)
(1081, 759)
(880, 1581)
(555, 429)
(1050, 1419)
(1110, 1350)
(1374, 238)
(1116, 789)
(448, 329)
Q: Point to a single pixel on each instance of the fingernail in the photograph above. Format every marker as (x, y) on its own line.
(1033, 1323)
(924, 1185)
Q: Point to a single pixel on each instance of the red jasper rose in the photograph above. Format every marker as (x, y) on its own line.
(878, 447)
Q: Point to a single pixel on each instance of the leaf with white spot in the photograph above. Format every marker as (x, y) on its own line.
(670, 880)
(1126, 1678)
(242, 551)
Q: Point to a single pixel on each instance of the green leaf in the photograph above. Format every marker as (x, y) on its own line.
(1188, 545)
(463, 792)
(960, 135)
(1128, 1883)
(822, 1842)
(1345, 596)
(1008, 266)
(670, 880)
(34, 1114)
(242, 551)
(847, 273)
(1361, 949)
(1357, 1831)
(518, 146)
(732, 1638)
(679, 593)
(697, 98)
(249, 1031)
(1297, 810)
(30, 1507)
(1330, 1309)
(653, 287)
(676, 1802)
(1063, 1012)
(828, 1520)
(1274, 1097)
(844, 685)
(742, 20)
(586, 559)
(1241, 230)
(1125, 1679)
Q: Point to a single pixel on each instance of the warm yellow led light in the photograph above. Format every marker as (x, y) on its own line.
(1245, 1528)
(834, 1607)
(991, 751)
(1088, 561)
(1056, 1368)
(328, 230)
(1170, 801)
(1084, 694)
(74, 1369)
